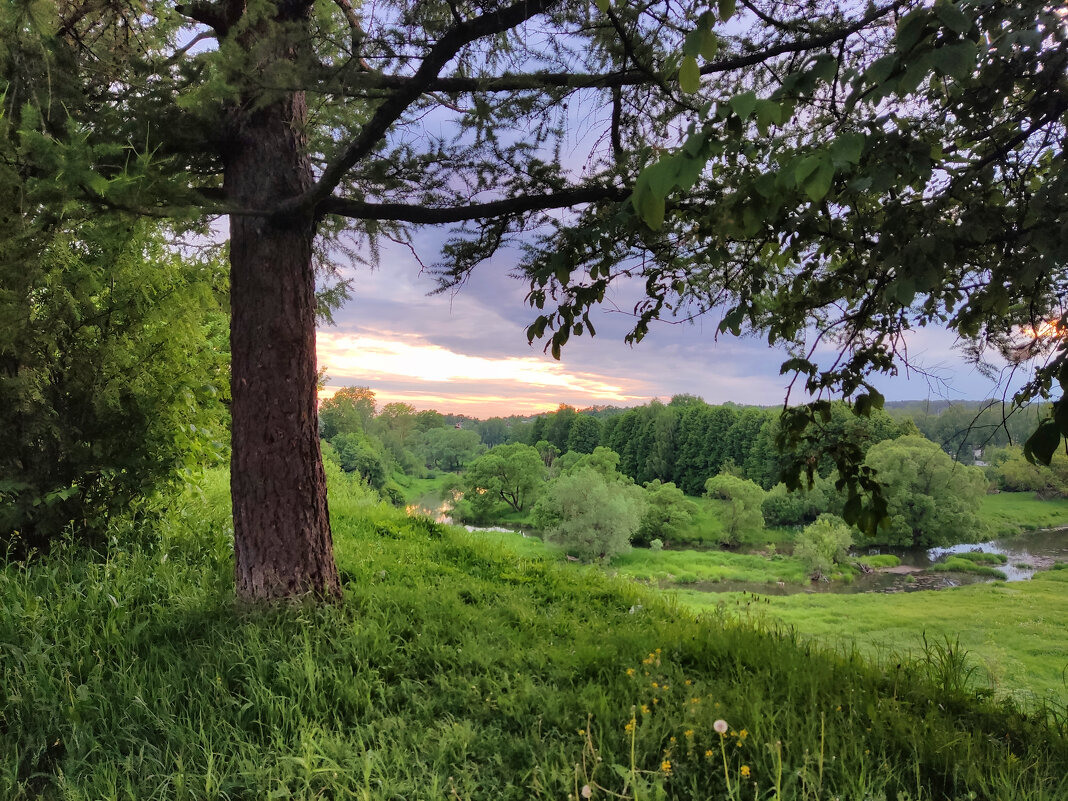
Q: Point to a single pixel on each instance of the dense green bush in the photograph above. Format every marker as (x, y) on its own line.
(824, 544)
(113, 376)
(589, 515)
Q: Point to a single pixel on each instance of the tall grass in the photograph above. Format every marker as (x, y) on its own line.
(456, 668)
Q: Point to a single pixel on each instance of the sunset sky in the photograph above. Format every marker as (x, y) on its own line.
(467, 353)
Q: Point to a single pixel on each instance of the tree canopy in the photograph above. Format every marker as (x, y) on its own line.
(828, 172)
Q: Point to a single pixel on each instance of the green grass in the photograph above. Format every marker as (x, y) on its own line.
(1014, 633)
(958, 564)
(879, 560)
(691, 566)
(458, 666)
(983, 558)
(1008, 513)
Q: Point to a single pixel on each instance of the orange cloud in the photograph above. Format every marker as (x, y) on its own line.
(433, 375)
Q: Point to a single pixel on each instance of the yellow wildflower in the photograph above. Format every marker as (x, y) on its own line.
(745, 771)
(743, 734)
(645, 709)
(630, 671)
(666, 766)
(630, 726)
(688, 734)
(709, 753)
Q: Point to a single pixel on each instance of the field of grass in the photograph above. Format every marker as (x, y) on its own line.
(688, 567)
(1008, 513)
(460, 667)
(1014, 633)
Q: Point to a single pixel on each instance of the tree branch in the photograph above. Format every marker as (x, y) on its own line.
(391, 109)
(428, 215)
(535, 81)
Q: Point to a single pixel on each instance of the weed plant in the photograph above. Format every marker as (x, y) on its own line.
(457, 668)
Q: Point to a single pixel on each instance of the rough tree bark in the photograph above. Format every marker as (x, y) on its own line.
(282, 540)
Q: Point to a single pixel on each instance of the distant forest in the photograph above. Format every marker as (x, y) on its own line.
(684, 441)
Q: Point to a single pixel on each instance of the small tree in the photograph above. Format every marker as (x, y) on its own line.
(667, 511)
(450, 448)
(590, 516)
(741, 513)
(507, 476)
(823, 544)
(585, 434)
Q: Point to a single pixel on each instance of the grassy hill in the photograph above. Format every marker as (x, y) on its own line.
(459, 668)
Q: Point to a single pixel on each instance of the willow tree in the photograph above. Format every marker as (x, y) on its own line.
(307, 120)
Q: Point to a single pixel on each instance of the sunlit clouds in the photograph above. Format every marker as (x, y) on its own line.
(412, 370)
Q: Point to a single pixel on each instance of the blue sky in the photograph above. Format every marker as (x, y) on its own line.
(466, 352)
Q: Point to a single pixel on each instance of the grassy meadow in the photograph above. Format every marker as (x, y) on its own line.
(458, 667)
(1014, 633)
(1008, 513)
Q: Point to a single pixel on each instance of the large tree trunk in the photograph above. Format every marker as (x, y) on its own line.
(282, 542)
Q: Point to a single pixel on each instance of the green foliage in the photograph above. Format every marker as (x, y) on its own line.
(547, 451)
(358, 453)
(983, 558)
(449, 448)
(603, 461)
(872, 188)
(781, 507)
(113, 375)
(590, 516)
(824, 544)
(511, 476)
(667, 512)
(585, 434)
(742, 513)
(1011, 471)
(963, 428)
(349, 411)
(931, 499)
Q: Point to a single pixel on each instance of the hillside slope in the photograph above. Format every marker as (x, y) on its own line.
(455, 669)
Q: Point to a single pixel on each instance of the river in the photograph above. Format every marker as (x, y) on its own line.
(1026, 553)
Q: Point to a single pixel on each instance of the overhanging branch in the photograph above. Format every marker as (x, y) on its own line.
(429, 215)
(394, 106)
(534, 81)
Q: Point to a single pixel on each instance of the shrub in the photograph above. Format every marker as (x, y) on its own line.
(824, 544)
(588, 515)
(741, 513)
